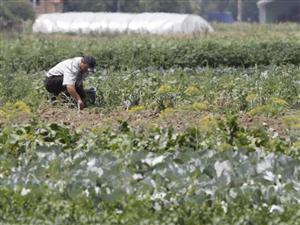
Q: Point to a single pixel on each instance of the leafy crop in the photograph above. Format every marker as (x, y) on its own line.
(105, 175)
(36, 53)
(191, 131)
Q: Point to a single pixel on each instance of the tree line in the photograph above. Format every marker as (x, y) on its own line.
(200, 7)
(13, 12)
(16, 10)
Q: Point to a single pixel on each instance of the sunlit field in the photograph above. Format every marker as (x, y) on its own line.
(199, 129)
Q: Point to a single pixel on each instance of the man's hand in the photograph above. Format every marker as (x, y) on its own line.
(72, 91)
(80, 104)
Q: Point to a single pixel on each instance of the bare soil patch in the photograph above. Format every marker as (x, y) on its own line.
(145, 119)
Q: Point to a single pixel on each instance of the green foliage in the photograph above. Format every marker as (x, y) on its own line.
(16, 10)
(202, 7)
(12, 112)
(21, 86)
(60, 176)
(141, 52)
(265, 91)
(218, 170)
(132, 211)
(102, 5)
(5, 13)
(133, 6)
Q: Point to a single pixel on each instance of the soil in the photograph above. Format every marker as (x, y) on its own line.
(178, 119)
(145, 119)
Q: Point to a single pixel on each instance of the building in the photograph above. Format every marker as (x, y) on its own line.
(274, 11)
(47, 6)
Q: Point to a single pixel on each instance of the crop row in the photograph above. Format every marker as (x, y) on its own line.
(45, 207)
(267, 90)
(217, 170)
(36, 53)
(52, 174)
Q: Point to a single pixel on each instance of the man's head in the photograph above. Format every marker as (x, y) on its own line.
(87, 63)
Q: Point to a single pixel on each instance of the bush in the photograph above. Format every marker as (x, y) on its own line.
(141, 52)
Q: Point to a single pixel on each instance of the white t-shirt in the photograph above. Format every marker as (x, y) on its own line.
(70, 71)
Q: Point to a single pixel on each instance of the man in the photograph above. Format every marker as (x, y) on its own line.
(68, 76)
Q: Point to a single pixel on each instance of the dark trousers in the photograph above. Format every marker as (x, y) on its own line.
(55, 86)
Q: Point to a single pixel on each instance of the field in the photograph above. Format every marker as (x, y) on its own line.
(201, 129)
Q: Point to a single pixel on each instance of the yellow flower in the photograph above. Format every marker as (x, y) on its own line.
(224, 147)
(164, 89)
(167, 112)
(291, 120)
(208, 123)
(278, 101)
(259, 110)
(200, 106)
(297, 145)
(22, 107)
(10, 112)
(192, 91)
(251, 97)
(136, 108)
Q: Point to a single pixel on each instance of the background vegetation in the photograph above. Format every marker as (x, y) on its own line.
(15, 11)
(201, 7)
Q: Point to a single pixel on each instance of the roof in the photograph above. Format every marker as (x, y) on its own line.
(262, 3)
(147, 23)
(56, 1)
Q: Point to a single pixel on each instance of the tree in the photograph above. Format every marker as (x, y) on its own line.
(102, 5)
(5, 13)
(16, 10)
(214, 5)
(12, 13)
(179, 6)
(201, 7)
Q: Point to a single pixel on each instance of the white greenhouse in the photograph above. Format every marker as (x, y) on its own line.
(144, 23)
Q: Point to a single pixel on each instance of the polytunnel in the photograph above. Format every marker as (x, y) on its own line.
(144, 23)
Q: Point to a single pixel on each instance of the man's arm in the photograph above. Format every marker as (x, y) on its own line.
(72, 91)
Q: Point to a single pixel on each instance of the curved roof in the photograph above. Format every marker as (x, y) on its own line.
(263, 2)
(89, 22)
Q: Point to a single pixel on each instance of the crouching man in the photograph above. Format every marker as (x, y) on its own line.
(68, 75)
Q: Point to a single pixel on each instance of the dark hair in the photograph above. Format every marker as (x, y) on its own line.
(90, 60)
